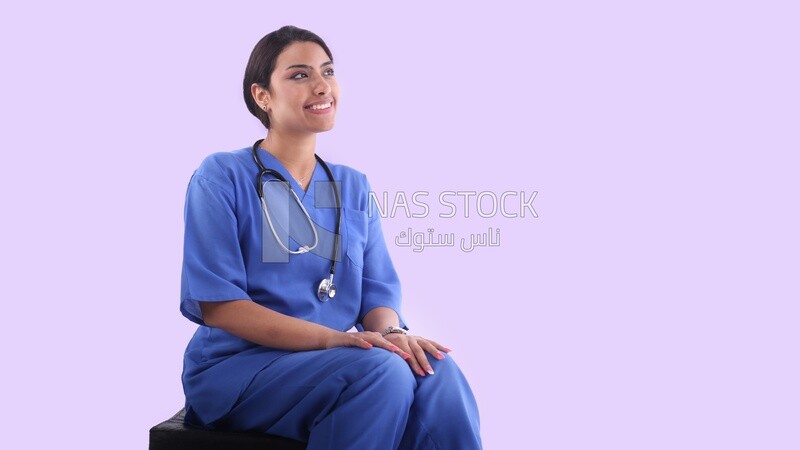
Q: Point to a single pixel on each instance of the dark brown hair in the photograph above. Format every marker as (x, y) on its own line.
(262, 62)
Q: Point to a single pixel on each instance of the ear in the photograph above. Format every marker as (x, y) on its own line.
(260, 95)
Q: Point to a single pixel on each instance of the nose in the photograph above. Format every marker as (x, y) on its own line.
(322, 87)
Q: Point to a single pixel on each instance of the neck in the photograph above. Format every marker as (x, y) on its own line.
(295, 152)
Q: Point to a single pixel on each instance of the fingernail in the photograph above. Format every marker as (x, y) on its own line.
(405, 355)
(421, 373)
(394, 348)
(369, 345)
(430, 371)
(447, 350)
(439, 355)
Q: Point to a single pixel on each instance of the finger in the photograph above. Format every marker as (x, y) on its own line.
(439, 346)
(415, 367)
(404, 342)
(399, 350)
(359, 342)
(429, 347)
(400, 346)
(419, 355)
(379, 341)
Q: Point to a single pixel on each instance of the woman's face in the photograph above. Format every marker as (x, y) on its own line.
(303, 92)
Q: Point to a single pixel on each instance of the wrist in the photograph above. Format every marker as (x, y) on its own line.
(379, 318)
(393, 330)
(331, 338)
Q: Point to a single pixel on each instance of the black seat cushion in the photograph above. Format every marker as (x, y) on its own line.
(173, 434)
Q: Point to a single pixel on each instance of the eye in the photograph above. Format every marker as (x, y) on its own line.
(297, 75)
(329, 71)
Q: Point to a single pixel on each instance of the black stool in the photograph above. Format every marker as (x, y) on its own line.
(173, 434)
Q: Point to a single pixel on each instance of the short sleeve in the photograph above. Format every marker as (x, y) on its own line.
(213, 266)
(380, 285)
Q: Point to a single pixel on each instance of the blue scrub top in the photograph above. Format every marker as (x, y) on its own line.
(230, 253)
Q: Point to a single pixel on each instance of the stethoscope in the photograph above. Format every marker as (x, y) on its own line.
(326, 289)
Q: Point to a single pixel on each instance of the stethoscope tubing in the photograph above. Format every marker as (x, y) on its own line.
(303, 249)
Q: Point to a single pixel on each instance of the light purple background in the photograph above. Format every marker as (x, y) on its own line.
(652, 305)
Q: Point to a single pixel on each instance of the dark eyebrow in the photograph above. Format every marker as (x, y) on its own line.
(306, 66)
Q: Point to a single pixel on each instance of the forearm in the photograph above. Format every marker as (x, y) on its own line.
(261, 325)
(379, 318)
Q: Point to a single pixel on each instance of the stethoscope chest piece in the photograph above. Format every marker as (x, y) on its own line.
(327, 290)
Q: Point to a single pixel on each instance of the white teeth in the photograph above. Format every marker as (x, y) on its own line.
(322, 106)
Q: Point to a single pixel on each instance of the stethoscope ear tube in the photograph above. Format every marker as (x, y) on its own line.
(326, 289)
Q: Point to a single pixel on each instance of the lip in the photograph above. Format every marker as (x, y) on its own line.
(320, 102)
(320, 111)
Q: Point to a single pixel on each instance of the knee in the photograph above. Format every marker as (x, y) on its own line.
(392, 375)
(444, 394)
(448, 376)
(397, 370)
(445, 367)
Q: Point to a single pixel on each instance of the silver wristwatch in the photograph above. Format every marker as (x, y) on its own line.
(393, 329)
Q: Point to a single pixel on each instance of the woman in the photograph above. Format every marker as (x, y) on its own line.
(272, 352)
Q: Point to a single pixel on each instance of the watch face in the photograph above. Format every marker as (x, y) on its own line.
(393, 329)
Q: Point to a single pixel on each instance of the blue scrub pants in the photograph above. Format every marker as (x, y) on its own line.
(351, 398)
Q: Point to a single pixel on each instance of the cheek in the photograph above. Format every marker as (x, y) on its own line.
(289, 97)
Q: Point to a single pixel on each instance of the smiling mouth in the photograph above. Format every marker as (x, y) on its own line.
(320, 106)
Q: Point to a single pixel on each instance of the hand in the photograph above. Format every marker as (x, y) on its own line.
(365, 340)
(417, 346)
